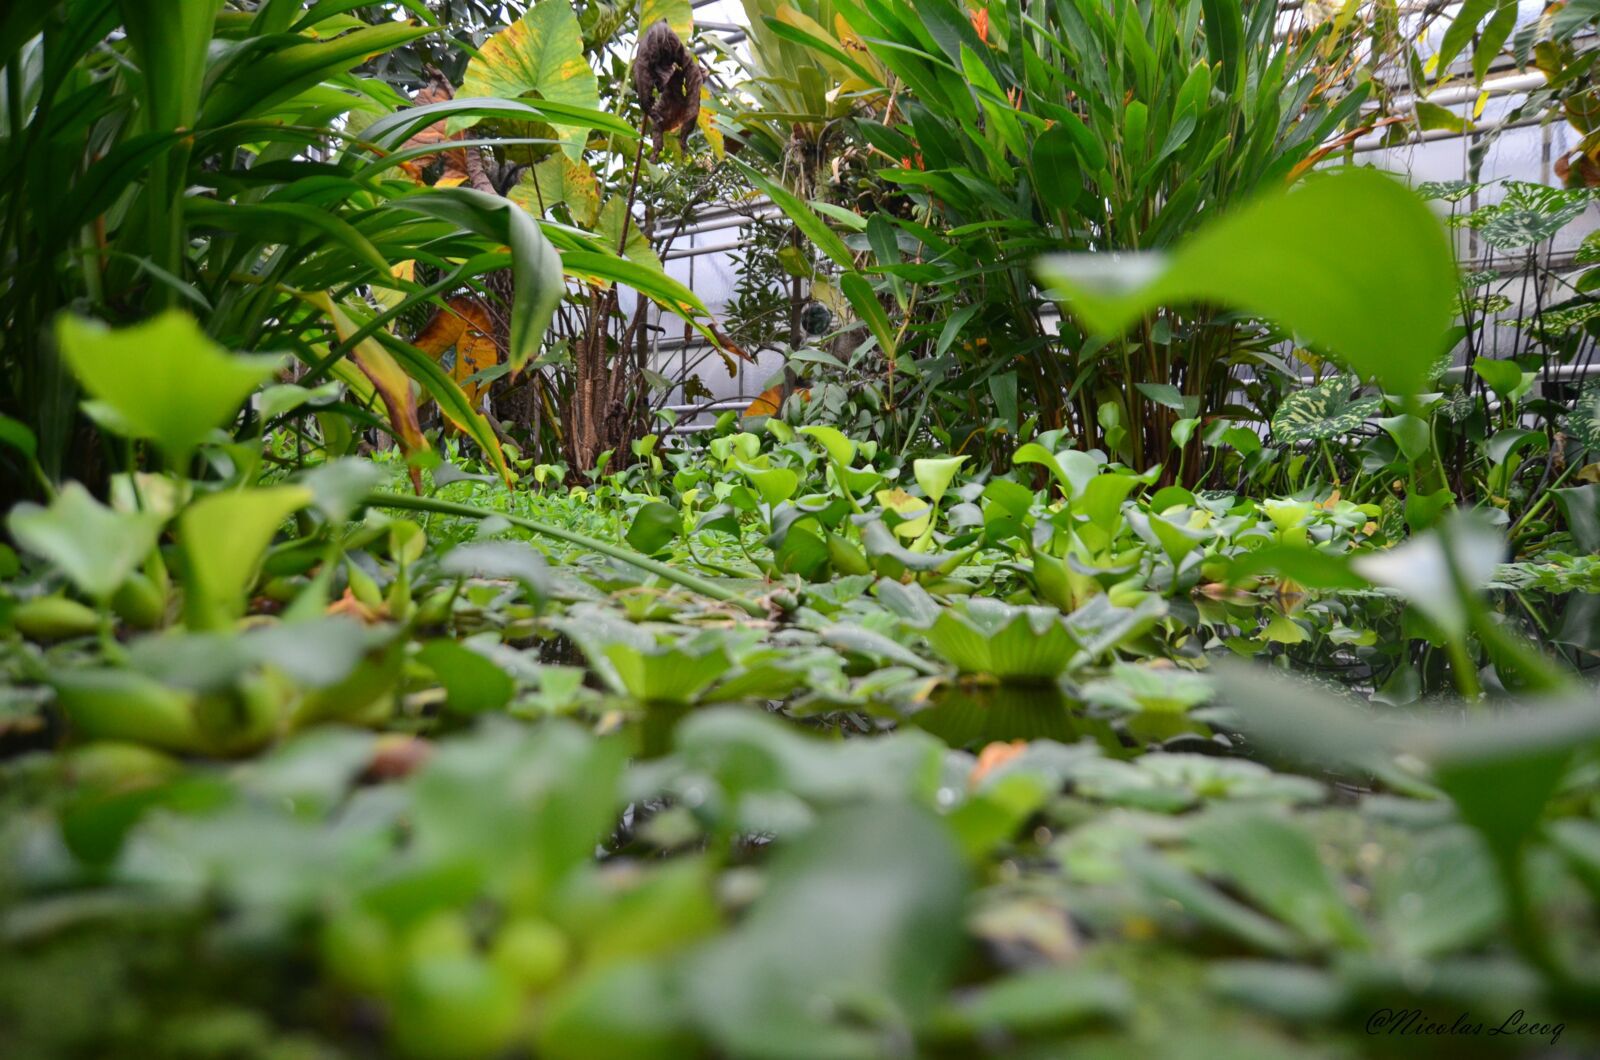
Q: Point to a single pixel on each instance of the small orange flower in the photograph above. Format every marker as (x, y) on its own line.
(348, 605)
(980, 23)
(994, 756)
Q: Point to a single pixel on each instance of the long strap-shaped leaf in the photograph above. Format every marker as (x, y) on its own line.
(692, 582)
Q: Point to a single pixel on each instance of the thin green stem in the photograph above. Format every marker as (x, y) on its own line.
(692, 582)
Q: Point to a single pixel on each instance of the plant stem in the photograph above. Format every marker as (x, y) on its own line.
(692, 582)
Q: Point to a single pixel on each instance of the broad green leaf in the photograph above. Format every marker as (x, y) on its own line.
(666, 675)
(164, 379)
(1306, 259)
(472, 683)
(541, 52)
(94, 546)
(1503, 377)
(224, 536)
(833, 440)
(863, 912)
(655, 526)
(1018, 644)
(608, 227)
(1411, 433)
(1277, 865)
(935, 475)
(1322, 412)
(1580, 506)
(1420, 570)
(775, 484)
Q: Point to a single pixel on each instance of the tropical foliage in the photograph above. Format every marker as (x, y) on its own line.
(1149, 615)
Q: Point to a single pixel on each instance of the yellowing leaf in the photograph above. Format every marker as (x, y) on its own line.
(638, 248)
(766, 403)
(390, 380)
(541, 52)
(465, 324)
(708, 126)
(558, 179)
(476, 351)
(678, 13)
(389, 297)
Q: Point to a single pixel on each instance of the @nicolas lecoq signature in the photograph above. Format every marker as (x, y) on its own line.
(1415, 1022)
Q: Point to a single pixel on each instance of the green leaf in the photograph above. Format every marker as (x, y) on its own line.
(1580, 507)
(1303, 565)
(541, 52)
(1322, 412)
(861, 914)
(833, 440)
(1277, 865)
(655, 526)
(666, 675)
(1503, 377)
(19, 436)
(864, 300)
(1057, 172)
(1420, 570)
(935, 475)
(775, 484)
(1460, 31)
(803, 216)
(1306, 260)
(224, 536)
(164, 379)
(1411, 433)
(536, 268)
(264, 81)
(472, 683)
(1020, 644)
(94, 546)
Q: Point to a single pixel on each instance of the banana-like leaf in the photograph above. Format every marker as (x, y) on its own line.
(804, 217)
(454, 404)
(394, 129)
(535, 266)
(263, 81)
(387, 376)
